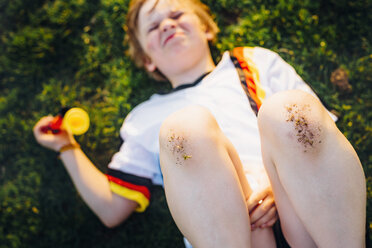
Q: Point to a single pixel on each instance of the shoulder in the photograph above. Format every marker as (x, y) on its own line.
(263, 59)
(257, 53)
(149, 114)
(145, 109)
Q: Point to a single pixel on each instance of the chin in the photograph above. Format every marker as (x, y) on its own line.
(184, 52)
(184, 49)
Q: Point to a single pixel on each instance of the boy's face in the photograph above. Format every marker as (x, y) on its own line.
(171, 35)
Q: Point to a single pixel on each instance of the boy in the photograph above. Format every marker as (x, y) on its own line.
(209, 143)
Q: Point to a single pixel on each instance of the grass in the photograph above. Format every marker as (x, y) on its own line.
(58, 53)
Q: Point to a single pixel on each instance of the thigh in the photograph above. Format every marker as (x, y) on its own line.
(293, 230)
(309, 160)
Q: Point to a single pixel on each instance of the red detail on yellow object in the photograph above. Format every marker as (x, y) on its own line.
(54, 126)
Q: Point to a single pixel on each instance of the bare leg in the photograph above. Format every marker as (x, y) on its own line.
(203, 187)
(318, 182)
(260, 237)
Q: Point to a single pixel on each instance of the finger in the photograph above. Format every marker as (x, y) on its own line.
(269, 215)
(261, 210)
(257, 214)
(42, 122)
(270, 223)
(70, 137)
(255, 199)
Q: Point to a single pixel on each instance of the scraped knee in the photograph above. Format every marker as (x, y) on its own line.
(184, 133)
(296, 120)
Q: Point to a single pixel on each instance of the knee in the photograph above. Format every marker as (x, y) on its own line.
(294, 119)
(185, 133)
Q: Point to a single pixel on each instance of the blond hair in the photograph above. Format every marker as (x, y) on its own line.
(137, 53)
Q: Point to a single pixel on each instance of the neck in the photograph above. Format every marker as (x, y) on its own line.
(189, 75)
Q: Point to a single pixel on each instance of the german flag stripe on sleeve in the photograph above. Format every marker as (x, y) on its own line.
(133, 195)
(131, 187)
(144, 190)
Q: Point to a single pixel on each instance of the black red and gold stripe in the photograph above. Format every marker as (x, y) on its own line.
(131, 187)
(248, 75)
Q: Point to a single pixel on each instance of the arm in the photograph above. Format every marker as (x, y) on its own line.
(91, 183)
(94, 188)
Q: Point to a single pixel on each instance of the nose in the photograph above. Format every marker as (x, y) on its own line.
(168, 24)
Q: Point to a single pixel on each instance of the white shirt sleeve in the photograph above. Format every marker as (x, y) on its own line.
(280, 76)
(134, 157)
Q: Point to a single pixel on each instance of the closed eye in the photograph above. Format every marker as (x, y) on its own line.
(153, 27)
(176, 15)
(173, 15)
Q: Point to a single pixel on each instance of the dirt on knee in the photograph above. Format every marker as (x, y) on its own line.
(307, 132)
(177, 144)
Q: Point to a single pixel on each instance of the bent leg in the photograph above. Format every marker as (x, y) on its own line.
(314, 171)
(206, 191)
(201, 185)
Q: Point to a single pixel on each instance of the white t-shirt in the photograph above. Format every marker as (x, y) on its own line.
(220, 92)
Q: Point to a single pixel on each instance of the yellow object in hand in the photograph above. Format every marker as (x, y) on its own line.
(76, 121)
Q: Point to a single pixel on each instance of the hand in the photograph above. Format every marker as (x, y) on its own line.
(262, 210)
(49, 140)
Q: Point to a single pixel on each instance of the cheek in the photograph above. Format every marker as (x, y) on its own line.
(187, 22)
(193, 25)
(152, 43)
